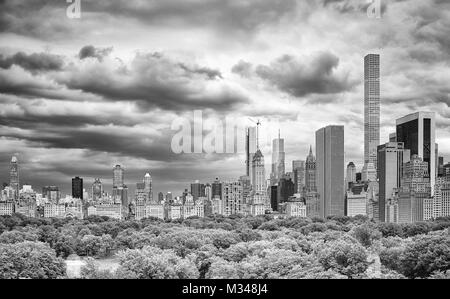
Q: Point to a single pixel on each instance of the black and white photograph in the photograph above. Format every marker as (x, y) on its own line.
(224, 145)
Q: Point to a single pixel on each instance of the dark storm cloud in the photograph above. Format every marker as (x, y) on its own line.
(433, 26)
(47, 18)
(210, 73)
(223, 15)
(30, 120)
(153, 80)
(33, 62)
(301, 76)
(91, 51)
(113, 140)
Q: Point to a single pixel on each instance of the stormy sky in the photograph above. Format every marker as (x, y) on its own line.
(78, 96)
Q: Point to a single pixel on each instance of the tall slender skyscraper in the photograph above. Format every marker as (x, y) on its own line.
(77, 187)
(371, 108)
(298, 168)
(250, 148)
(278, 155)
(417, 132)
(330, 170)
(14, 177)
(148, 186)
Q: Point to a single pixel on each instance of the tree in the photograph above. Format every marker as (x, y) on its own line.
(95, 246)
(221, 269)
(366, 234)
(15, 236)
(425, 255)
(154, 263)
(347, 258)
(92, 271)
(30, 260)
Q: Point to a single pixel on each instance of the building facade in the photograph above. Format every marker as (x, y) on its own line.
(371, 108)
(330, 170)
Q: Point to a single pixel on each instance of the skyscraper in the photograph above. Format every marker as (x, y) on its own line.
(148, 186)
(77, 187)
(371, 108)
(391, 157)
(250, 148)
(417, 132)
(216, 188)
(310, 172)
(278, 155)
(14, 177)
(97, 190)
(330, 170)
(415, 190)
(160, 197)
(258, 198)
(440, 166)
(298, 168)
(286, 189)
(351, 174)
(118, 176)
(197, 190)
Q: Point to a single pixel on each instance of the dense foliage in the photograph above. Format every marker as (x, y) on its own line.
(226, 247)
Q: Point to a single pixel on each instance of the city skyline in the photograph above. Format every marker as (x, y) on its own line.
(63, 122)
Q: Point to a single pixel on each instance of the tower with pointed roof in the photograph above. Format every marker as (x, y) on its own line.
(310, 172)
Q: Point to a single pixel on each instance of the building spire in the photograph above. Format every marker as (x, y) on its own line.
(310, 150)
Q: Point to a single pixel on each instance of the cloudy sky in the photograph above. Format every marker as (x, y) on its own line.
(78, 96)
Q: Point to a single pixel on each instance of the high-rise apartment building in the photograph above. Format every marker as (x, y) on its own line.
(357, 200)
(286, 189)
(298, 169)
(371, 108)
(415, 190)
(197, 190)
(118, 176)
(148, 186)
(278, 157)
(391, 157)
(417, 132)
(330, 170)
(232, 198)
(14, 177)
(350, 175)
(216, 188)
(77, 187)
(97, 190)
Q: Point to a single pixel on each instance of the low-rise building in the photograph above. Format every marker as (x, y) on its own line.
(6, 208)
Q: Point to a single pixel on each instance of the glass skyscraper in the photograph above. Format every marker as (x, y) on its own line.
(417, 132)
(330, 170)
